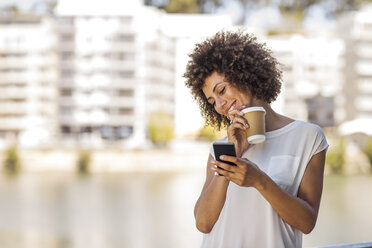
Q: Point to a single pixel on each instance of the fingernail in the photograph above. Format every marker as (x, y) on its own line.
(246, 126)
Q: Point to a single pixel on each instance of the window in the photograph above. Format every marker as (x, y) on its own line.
(65, 74)
(65, 92)
(66, 110)
(125, 111)
(66, 38)
(125, 38)
(126, 74)
(67, 55)
(125, 20)
(123, 56)
(126, 92)
(65, 129)
(124, 132)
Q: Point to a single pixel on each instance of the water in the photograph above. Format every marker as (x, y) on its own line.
(140, 210)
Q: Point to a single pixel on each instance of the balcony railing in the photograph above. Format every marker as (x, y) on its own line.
(350, 245)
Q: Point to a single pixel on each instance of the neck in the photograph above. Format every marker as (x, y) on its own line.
(274, 120)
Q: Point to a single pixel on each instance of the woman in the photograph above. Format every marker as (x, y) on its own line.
(273, 194)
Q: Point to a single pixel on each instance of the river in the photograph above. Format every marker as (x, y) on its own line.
(148, 210)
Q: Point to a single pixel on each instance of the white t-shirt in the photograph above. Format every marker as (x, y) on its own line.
(247, 219)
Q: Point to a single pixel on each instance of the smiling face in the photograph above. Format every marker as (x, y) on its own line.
(224, 96)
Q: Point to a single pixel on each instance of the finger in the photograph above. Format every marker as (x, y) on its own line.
(235, 160)
(226, 167)
(236, 125)
(242, 120)
(223, 172)
(234, 113)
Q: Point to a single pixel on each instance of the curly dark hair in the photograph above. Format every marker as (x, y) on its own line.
(245, 63)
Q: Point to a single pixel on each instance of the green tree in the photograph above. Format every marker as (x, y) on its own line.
(368, 150)
(12, 161)
(291, 9)
(182, 6)
(160, 128)
(209, 133)
(336, 157)
(83, 162)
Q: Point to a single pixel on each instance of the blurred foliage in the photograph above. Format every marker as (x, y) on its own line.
(294, 16)
(291, 9)
(368, 150)
(160, 128)
(12, 162)
(182, 6)
(83, 162)
(336, 157)
(185, 6)
(209, 133)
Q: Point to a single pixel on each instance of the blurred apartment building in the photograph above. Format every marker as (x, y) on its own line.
(28, 76)
(107, 67)
(95, 73)
(312, 77)
(116, 68)
(121, 62)
(356, 31)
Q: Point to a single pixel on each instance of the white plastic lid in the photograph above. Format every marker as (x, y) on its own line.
(255, 139)
(251, 109)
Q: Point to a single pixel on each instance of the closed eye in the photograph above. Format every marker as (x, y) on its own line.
(222, 91)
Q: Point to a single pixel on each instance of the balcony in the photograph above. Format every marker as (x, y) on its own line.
(66, 46)
(65, 28)
(364, 36)
(121, 120)
(122, 47)
(13, 123)
(122, 102)
(13, 108)
(364, 51)
(14, 93)
(363, 68)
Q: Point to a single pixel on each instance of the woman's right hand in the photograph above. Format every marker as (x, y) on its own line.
(236, 132)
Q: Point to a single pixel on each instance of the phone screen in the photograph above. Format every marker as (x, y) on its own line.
(224, 149)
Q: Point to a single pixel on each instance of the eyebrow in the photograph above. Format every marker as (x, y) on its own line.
(214, 89)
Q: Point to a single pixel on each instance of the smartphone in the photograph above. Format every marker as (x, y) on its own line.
(224, 149)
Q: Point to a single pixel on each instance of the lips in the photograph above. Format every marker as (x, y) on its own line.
(231, 107)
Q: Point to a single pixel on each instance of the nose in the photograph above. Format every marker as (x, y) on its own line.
(219, 105)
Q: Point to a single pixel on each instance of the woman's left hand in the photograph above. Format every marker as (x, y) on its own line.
(245, 173)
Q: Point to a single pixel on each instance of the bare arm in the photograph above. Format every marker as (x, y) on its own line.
(211, 200)
(300, 211)
(213, 195)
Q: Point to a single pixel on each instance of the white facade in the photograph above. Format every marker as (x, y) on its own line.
(108, 66)
(97, 71)
(312, 66)
(116, 69)
(187, 30)
(357, 32)
(28, 76)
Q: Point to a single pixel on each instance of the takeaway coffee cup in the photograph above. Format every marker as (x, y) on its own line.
(256, 120)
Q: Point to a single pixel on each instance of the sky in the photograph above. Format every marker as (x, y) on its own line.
(23, 4)
(230, 7)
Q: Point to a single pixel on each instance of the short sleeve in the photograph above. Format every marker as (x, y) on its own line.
(320, 142)
(212, 152)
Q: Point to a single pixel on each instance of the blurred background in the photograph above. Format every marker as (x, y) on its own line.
(101, 144)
